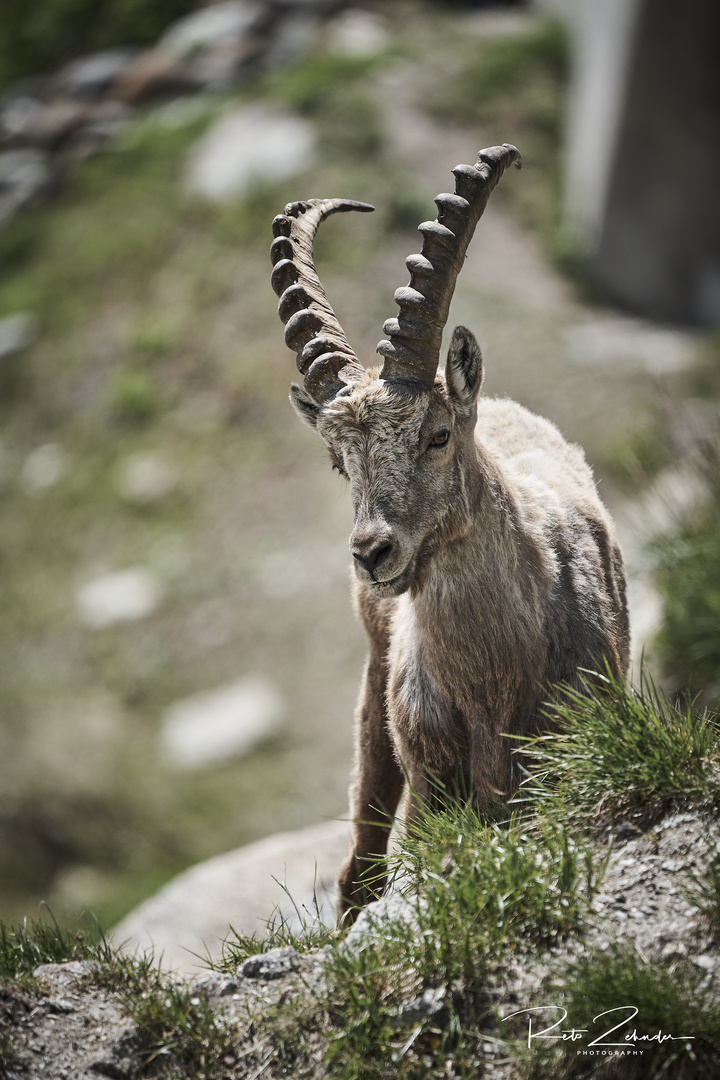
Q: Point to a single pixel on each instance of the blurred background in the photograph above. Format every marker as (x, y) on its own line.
(178, 656)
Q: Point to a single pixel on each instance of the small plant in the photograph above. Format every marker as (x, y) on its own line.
(311, 935)
(670, 1014)
(616, 750)
(25, 948)
(178, 1029)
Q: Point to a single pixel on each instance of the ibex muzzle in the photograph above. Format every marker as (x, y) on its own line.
(486, 567)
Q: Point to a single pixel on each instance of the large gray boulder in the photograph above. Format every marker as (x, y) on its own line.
(290, 873)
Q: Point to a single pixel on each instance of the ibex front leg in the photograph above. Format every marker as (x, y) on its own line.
(378, 781)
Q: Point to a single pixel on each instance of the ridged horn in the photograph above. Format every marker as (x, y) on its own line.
(413, 348)
(324, 356)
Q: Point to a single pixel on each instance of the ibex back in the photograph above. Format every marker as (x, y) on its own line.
(486, 567)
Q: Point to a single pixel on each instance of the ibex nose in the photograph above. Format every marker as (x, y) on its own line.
(373, 559)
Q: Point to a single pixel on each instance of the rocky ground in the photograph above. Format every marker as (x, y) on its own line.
(70, 1029)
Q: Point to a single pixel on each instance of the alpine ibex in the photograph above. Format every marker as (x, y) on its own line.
(486, 567)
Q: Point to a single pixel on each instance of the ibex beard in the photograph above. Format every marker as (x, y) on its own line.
(486, 567)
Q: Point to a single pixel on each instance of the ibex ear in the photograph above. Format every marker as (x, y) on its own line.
(305, 406)
(464, 368)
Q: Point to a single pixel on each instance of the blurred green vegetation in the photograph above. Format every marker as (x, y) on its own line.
(514, 87)
(688, 579)
(36, 38)
(635, 457)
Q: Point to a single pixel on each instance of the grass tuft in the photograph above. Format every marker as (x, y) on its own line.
(681, 1001)
(618, 751)
(178, 1029)
(412, 995)
(26, 947)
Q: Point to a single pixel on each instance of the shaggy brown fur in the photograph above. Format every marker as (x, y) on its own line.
(486, 569)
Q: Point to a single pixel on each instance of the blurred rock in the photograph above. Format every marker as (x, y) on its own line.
(631, 344)
(145, 478)
(43, 468)
(217, 25)
(357, 33)
(289, 873)
(123, 596)
(154, 72)
(246, 146)
(17, 333)
(27, 121)
(294, 35)
(103, 124)
(62, 976)
(273, 964)
(219, 724)
(24, 176)
(90, 76)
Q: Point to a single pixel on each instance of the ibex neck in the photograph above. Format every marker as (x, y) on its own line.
(483, 595)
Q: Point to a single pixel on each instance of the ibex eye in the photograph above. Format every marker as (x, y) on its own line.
(440, 438)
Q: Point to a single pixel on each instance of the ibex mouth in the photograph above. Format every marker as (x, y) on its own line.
(393, 586)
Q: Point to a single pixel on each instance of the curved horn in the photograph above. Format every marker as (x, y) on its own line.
(324, 356)
(413, 351)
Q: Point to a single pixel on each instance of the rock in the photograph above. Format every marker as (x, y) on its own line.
(43, 468)
(90, 76)
(246, 146)
(213, 984)
(17, 333)
(273, 964)
(219, 724)
(357, 33)
(426, 1005)
(372, 919)
(145, 478)
(65, 975)
(121, 1061)
(706, 961)
(28, 121)
(287, 873)
(217, 25)
(122, 596)
(25, 175)
(629, 344)
(105, 122)
(295, 35)
(155, 72)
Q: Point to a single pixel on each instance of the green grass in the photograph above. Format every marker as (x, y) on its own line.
(618, 751)
(177, 1030)
(25, 947)
(476, 893)
(680, 1001)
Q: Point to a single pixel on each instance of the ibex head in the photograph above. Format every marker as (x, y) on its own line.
(403, 436)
